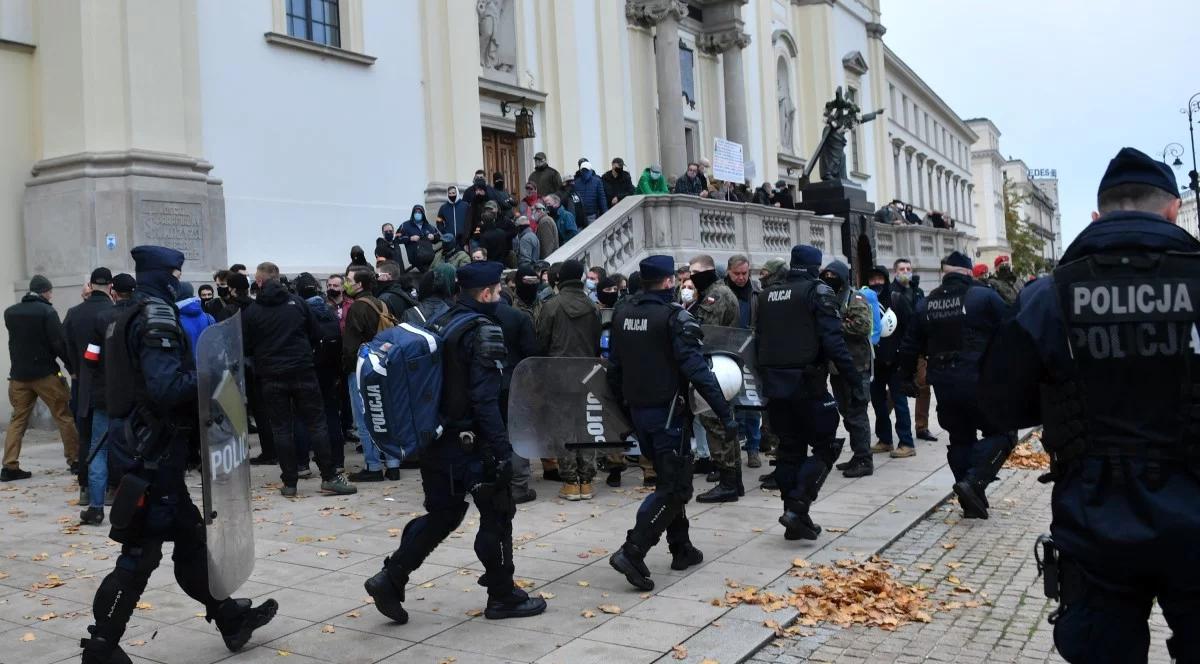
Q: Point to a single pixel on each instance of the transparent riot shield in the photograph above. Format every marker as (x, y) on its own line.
(562, 403)
(226, 465)
(739, 342)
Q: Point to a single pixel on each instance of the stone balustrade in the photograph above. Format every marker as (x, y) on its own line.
(683, 226)
(924, 246)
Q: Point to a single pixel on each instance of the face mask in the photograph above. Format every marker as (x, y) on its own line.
(206, 297)
(418, 216)
(527, 292)
(333, 293)
(608, 298)
(480, 181)
(654, 175)
(904, 278)
(703, 280)
(452, 197)
(173, 286)
(834, 282)
(349, 287)
(222, 291)
(590, 284)
(878, 288)
(687, 295)
(388, 235)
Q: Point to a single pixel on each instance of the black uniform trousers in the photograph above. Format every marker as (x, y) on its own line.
(804, 423)
(972, 458)
(664, 510)
(448, 475)
(169, 516)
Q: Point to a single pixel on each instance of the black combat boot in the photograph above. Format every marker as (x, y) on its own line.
(684, 555)
(388, 596)
(727, 491)
(614, 478)
(971, 499)
(796, 521)
(237, 619)
(857, 467)
(629, 560)
(97, 650)
(516, 604)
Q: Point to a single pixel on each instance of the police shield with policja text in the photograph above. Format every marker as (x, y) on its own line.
(226, 479)
(562, 403)
(738, 342)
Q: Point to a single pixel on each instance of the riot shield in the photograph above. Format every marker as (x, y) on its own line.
(226, 465)
(739, 342)
(562, 403)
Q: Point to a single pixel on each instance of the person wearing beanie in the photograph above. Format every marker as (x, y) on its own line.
(799, 334)
(568, 325)
(953, 327)
(36, 346)
(980, 272)
(473, 345)
(1099, 353)
(656, 351)
(151, 373)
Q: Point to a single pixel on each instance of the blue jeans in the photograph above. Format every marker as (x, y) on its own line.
(887, 381)
(97, 471)
(371, 453)
(750, 425)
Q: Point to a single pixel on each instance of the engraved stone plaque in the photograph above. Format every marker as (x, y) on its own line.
(174, 224)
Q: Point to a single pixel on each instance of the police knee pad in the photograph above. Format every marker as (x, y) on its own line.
(829, 451)
(139, 560)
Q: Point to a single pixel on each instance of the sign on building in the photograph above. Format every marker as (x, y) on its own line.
(1043, 172)
(728, 163)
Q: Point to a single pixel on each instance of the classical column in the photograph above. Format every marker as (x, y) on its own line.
(908, 157)
(729, 44)
(941, 195)
(971, 203)
(954, 202)
(664, 15)
(921, 181)
(896, 145)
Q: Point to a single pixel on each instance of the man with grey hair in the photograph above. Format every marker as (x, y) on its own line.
(526, 245)
(563, 218)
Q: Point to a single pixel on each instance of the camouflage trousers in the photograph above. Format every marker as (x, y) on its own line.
(725, 451)
(577, 467)
(616, 461)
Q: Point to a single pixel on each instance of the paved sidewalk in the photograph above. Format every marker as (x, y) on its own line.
(314, 552)
(995, 559)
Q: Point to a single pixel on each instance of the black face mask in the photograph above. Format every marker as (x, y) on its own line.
(703, 280)
(222, 292)
(607, 298)
(834, 282)
(527, 292)
(333, 293)
(878, 288)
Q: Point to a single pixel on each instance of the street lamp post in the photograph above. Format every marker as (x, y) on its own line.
(1173, 150)
(1194, 176)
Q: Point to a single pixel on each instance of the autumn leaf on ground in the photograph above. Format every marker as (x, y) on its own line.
(328, 629)
(474, 613)
(283, 653)
(393, 532)
(679, 651)
(584, 584)
(709, 661)
(545, 595)
(448, 660)
(47, 616)
(587, 614)
(523, 583)
(801, 563)
(41, 556)
(610, 608)
(949, 545)
(144, 606)
(925, 567)
(139, 642)
(354, 614)
(28, 636)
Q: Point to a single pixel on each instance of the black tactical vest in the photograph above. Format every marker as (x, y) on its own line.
(452, 327)
(1132, 381)
(786, 330)
(945, 319)
(641, 331)
(123, 384)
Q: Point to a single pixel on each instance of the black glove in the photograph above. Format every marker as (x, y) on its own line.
(731, 429)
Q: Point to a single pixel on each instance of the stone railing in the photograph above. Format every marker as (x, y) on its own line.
(683, 226)
(923, 245)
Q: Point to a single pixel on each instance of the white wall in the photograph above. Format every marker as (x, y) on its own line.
(315, 153)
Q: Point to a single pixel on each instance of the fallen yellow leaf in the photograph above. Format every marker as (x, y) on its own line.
(610, 608)
(584, 584)
(28, 636)
(143, 606)
(679, 651)
(587, 614)
(139, 642)
(328, 629)
(545, 595)
(354, 614)
(47, 616)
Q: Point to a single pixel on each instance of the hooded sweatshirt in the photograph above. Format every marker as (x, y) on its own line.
(280, 332)
(856, 319)
(651, 186)
(888, 347)
(568, 324)
(193, 319)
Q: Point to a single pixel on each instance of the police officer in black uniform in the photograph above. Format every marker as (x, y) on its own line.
(953, 327)
(655, 354)
(1103, 353)
(472, 457)
(798, 333)
(152, 402)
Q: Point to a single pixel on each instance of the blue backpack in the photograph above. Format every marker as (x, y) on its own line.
(400, 379)
(876, 314)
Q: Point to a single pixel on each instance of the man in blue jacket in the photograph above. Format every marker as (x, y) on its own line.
(590, 188)
(1103, 354)
(452, 216)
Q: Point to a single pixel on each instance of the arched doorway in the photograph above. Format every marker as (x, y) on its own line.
(864, 259)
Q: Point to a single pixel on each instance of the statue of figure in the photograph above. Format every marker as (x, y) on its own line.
(787, 109)
(841, 116)
(489, 24)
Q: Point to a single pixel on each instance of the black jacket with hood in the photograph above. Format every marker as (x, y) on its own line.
(280, 332)
(889, 346)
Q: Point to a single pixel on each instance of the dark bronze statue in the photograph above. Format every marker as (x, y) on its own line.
(841, 116)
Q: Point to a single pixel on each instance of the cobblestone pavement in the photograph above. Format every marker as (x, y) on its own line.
(993, 558)
(314, 552)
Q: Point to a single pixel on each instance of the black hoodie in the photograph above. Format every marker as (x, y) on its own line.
(888, 347)
(280, 332)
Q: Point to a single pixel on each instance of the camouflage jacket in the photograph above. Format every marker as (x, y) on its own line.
(856, 327)
(718, 306)
(1007, 290)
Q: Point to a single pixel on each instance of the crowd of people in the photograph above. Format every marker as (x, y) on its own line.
(824, 349)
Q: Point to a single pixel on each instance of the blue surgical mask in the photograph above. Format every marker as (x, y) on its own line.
(590, 283)
(418, 216)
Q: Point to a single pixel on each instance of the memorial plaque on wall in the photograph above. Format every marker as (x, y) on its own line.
(175, 224)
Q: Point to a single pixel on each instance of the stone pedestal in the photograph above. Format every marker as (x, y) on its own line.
(847, 201)
(89, 209)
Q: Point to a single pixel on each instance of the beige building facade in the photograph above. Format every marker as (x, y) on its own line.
(1039, 207)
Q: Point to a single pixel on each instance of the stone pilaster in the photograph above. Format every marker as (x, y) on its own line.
(664, 16)
(729, 43)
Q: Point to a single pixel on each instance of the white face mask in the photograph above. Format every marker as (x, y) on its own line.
(687, 295)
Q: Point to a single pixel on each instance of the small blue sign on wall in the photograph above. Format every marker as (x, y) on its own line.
(110, 241)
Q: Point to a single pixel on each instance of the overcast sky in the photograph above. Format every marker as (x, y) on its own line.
(1068, 82)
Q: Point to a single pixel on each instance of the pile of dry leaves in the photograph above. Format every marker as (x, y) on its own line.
(847, 593)
(1028, 454)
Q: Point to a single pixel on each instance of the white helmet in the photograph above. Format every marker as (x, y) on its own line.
(888, 323)
(728, 371)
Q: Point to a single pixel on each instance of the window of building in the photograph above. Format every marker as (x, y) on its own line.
(315, 20)
(687, 71)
